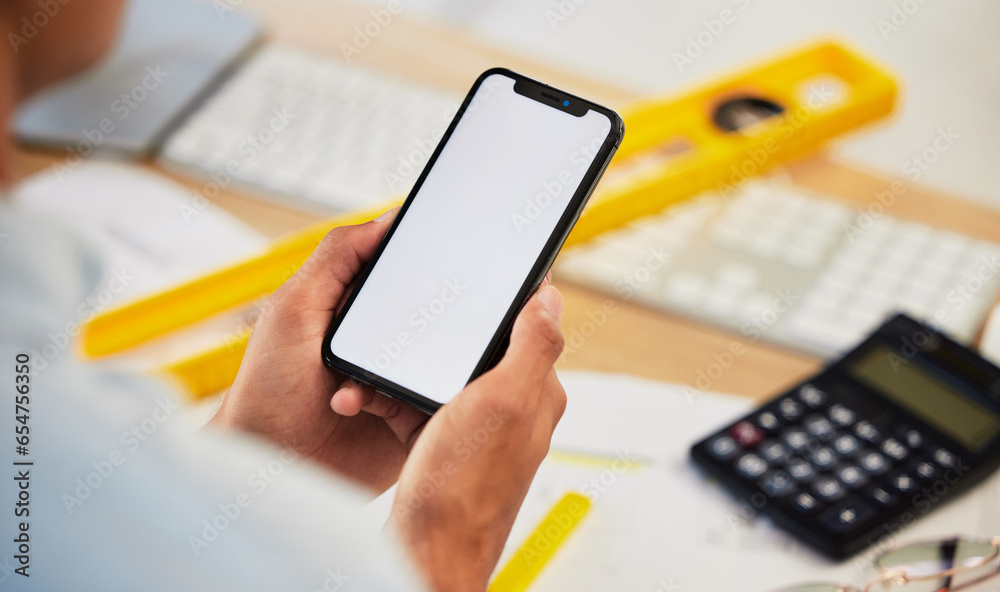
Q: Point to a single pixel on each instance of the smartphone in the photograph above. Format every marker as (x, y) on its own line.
(434, 306)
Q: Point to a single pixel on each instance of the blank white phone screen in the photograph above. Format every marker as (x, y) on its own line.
(467, 243)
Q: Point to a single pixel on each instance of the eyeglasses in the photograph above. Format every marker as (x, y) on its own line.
(936, 566)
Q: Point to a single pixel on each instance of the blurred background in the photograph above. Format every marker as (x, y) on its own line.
(940, 51)
(224, 138)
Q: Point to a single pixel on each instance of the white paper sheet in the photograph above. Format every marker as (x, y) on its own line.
(154, 229)
(663, 525)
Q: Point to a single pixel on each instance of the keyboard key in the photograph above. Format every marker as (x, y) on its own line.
(737, 278)
(847, 516)
(685, 290)
(828, 489)
(756, 307)
(723, 447)
(751, 466)
(765, 246)
(719, 304)
(802, 258)
(729, 236)
(827, 334)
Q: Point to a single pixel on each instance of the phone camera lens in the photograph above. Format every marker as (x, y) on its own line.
(565, 103)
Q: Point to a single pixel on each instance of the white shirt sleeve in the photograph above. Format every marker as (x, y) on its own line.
(126, 493)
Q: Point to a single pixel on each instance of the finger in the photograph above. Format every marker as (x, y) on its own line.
(402, 419)
(343, 299)
(351, 398)
(557, 394)
(548, 277)
(535, 340)
(323, 278)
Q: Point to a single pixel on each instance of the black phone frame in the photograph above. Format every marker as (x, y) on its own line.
(546, 95)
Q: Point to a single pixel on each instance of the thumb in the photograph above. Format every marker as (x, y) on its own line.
(535, 340)
(323, 278)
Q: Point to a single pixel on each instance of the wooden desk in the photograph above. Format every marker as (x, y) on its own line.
(635, 340)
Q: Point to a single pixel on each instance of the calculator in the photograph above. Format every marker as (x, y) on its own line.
(902, 423)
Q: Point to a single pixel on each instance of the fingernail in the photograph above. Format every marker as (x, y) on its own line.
(551, 298)
(387, 214)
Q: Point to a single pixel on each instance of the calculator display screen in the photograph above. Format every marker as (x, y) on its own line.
(923, 394)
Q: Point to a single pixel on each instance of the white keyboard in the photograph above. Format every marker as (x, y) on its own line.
(355, 137)
(774, 263)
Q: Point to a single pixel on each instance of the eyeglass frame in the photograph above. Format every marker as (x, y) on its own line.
(899, 577)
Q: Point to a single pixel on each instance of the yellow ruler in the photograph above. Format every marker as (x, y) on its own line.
(535, 552)
(674, 148)
(143, 320)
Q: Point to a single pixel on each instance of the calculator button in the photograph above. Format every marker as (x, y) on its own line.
(750, 465)
(847, 516)
(851, 476)
(874, 463)
(800, 470)
(768, 421)
(819, 426)
(865, 430)
(881, 496)
(773, 451)
(944, 458)
(805, 503)
(924, 470)
(796, 439)
(828, 489)
(778, 484)
(823, 458)
(846, 444)
(894, 449)
(746, 434)
(903, 483)
(722, 447)
(912, 438)
(790, 409)
(812, 396)
(841, 416)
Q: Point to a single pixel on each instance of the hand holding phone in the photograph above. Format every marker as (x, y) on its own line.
(478, 455)
(434, 307)
(468, 472)
(462, 480)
